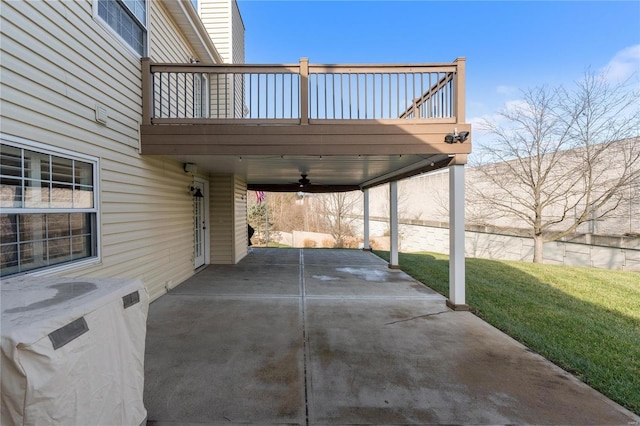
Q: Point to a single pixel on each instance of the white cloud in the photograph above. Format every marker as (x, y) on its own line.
(517, 105)
(507, 90)
(480, 131)
(623, 65)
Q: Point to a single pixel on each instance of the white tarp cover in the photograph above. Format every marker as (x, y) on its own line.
(96, 378)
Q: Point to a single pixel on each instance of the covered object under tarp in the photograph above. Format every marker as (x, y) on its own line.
(73, 351)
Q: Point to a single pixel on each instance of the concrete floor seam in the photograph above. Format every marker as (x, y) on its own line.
(304, 337)
(374, 352)
(238, 296)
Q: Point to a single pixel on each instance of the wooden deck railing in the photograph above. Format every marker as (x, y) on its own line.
(301, 93)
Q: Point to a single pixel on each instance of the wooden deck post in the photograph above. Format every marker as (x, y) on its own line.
(304, 90)
(147, 91)
(460, 90)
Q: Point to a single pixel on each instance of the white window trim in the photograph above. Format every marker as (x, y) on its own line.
(22, 143)
(98, 19)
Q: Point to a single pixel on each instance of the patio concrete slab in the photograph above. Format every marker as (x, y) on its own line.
(367, 281)
(273, 341)
(222, 361)
(325, 257)
(244, 279)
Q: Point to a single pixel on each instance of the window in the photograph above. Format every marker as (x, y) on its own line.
(49, 214)
(200, 96)
(128, 18)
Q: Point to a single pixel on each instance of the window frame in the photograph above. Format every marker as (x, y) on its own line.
(117, 36)
(201, 96)
(44, 149)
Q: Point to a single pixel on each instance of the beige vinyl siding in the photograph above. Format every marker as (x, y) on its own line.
(221, 206)
(228, 206)
(216, 16)
(58, 62)
(240, 219)
(237, 34)
(224, 24)
(221, 87)
(237, 40)
(41, 70)
(166, 42)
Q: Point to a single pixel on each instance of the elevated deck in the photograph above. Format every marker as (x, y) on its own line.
(215, 115)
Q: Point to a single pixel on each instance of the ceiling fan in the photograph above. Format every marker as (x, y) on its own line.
(304, 182)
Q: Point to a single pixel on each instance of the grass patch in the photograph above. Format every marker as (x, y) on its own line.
(585, 320)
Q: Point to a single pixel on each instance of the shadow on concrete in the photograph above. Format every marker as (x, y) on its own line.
(553, 323)
(334, 337)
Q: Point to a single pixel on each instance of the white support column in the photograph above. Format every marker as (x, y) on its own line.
(393, 225)
(366, 245)
(456, 238)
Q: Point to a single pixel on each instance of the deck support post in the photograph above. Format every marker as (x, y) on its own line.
(365, 199)
(304, 91)
(147, 90)
(393, 225)
(456, 236)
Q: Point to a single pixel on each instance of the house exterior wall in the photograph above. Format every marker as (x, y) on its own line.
(237, 34)
(228, 206)
(241, 237)
(58, 62)
(224, 24)
(221, 223)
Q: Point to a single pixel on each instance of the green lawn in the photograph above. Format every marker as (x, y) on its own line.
(585, 320)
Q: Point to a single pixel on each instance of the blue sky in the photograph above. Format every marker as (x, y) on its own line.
(509, 45)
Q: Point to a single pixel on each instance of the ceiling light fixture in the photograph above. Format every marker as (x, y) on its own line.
(190, 168)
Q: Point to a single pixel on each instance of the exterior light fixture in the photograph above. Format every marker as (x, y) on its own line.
(196, 192)
(456, 137)
(190, 168)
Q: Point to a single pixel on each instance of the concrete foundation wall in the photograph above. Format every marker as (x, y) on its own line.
(508, 247)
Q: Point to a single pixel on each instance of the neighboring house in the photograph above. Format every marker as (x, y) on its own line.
(131, 131)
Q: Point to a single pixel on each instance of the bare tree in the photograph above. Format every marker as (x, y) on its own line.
(257, 217)
(337, 212)
(288, 211)
(561, 158)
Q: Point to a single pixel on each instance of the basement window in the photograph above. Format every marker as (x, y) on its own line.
(49, 213)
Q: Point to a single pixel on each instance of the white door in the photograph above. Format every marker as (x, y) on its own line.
(199, 224)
